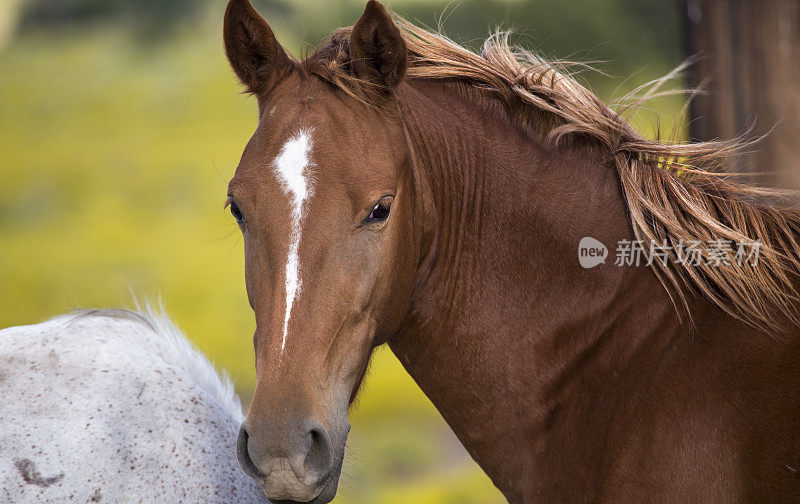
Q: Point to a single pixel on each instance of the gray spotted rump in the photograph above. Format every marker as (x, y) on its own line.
(115, 406)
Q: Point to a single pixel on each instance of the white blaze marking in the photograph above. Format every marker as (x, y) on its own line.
(291, 168)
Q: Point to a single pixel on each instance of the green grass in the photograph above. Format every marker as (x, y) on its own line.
(115, 160)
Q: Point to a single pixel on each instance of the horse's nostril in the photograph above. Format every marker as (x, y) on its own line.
(243, 455)
(293, 461)
(319, 459)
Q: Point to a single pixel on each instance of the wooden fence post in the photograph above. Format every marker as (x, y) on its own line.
(750, 68)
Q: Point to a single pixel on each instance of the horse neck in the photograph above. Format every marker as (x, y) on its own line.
(507, 334)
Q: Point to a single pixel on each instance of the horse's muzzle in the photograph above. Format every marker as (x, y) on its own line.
(295, 463)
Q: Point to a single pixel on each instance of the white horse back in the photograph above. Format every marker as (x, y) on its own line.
(115, 407)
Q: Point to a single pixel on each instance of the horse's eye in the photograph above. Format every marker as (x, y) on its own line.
(237, 214)
(381, 211)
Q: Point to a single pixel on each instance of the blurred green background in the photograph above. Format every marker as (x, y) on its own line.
(120, 124)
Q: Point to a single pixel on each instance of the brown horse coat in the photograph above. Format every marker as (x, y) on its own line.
(400, 189)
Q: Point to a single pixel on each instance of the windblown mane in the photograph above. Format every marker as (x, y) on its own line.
(676, 193)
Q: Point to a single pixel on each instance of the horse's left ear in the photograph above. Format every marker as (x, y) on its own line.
(377, 48)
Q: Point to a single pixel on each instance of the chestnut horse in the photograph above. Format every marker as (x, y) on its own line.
(401, 189)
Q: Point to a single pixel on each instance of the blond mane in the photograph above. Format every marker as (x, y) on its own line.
(676, 193)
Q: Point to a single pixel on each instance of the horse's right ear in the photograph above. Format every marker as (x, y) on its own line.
(253, 51)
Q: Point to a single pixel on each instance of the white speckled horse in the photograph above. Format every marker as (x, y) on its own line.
(116, 407)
